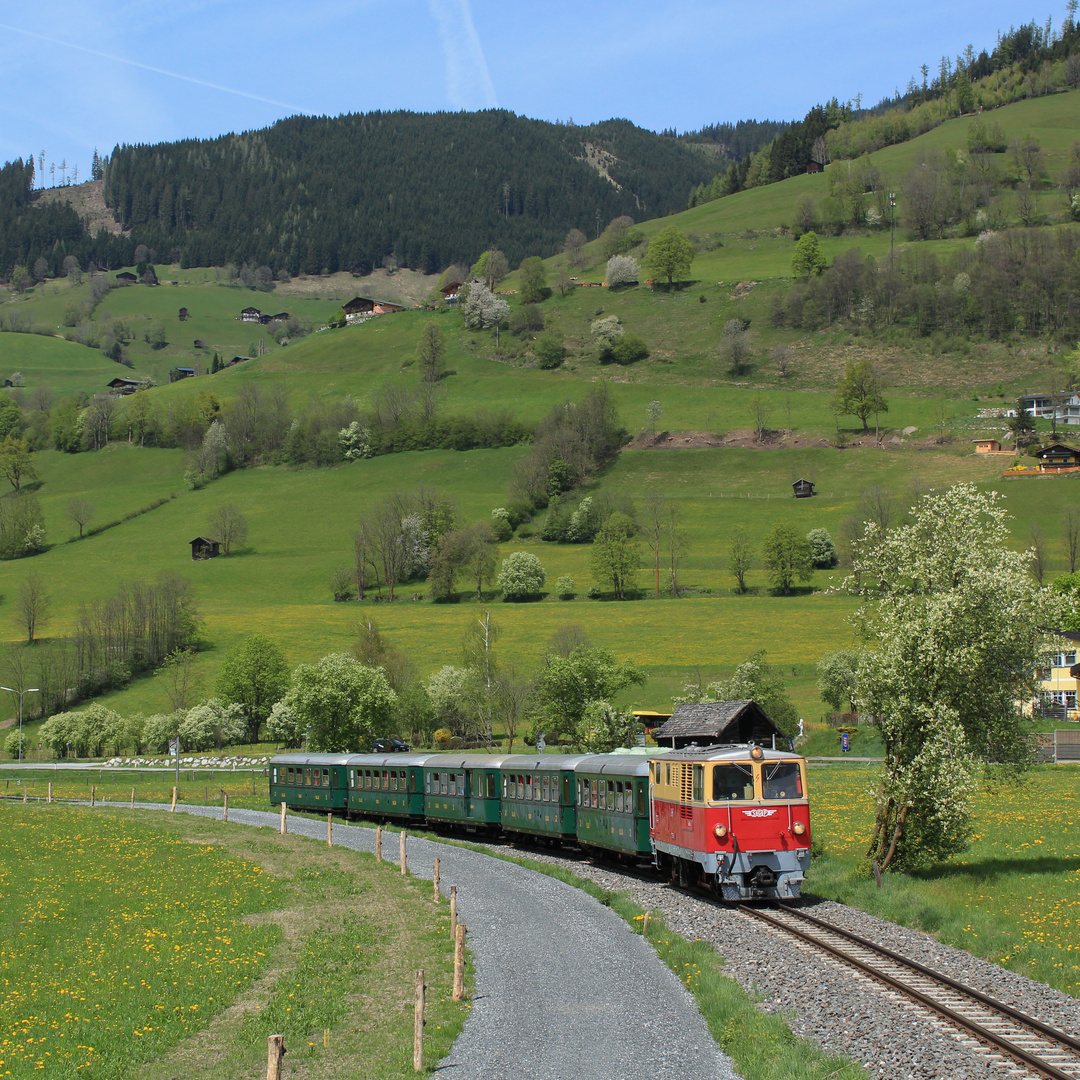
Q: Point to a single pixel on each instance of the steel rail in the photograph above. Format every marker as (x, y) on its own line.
(1001, 1043)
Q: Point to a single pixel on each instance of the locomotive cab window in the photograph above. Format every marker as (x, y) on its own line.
(781, 780)
(733, 781)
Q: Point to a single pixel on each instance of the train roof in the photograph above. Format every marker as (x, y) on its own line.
(726, 752)
(467, 761)
(536, 762)
(614, 765)
(310, 759)
(398, 760)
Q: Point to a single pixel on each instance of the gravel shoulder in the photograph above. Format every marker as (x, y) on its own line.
(563, 989)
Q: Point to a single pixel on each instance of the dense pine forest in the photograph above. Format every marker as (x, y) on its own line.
(424, 190)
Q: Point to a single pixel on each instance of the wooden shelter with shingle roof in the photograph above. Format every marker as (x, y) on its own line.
(710, 722)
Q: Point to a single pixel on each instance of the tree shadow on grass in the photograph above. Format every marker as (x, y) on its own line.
(990, 869)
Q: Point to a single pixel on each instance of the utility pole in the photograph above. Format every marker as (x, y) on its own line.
(28, 690)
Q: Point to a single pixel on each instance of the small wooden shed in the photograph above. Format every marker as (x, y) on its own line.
(987, 446)
(202, 547)
(126, 277)
(803, 489)
(711, 722)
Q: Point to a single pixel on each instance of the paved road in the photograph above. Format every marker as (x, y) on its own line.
(564, 990)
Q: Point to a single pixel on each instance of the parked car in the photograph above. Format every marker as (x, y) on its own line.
(389, 746)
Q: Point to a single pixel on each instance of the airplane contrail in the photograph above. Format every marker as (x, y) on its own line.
(151, 68)
(467, 74)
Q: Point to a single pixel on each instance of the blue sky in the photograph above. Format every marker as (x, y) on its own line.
(83, 73)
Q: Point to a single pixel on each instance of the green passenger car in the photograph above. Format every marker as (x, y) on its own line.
(538, 794)
(463, 790)
(309, 781)
(387, 786)
(612, 796)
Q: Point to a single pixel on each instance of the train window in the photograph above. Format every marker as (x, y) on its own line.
(733, 781)
(307, 778)
(667, 772)
(584, 799)
(699, 783)
(528, 787)
(401, 781)
(579, 784)
(393, 780)
(611, 795)
(427, 783)
(618, 797)
(781, 780)
(453, 784)
(597, 791)
(368, 783)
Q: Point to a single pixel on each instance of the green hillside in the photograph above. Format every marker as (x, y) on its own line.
(302, 519)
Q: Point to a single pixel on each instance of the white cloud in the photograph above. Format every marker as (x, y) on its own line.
(468, 81)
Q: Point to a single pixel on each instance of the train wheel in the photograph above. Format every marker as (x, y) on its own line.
(686, 874)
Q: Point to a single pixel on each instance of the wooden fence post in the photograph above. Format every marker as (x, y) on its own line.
(282, 817)
(172, 809)
(329, 831)
(275, 1051)
(459, 962)
(132, 799)
(50, 792)
(378, 843)
(645, 925)
(24, 791)
(435, 883)
(401, 851)
(225, 808)
(93, 794)
(418, 1023)
(453, 910)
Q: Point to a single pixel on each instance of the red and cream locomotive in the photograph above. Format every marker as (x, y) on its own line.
(734, 818)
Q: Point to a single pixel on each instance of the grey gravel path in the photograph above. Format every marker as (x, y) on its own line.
(564, 990)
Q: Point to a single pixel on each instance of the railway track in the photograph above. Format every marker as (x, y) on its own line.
(1005, 1034)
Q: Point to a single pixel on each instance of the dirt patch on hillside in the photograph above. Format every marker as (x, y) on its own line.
(699, 440)
(405, 287)
(88, 201)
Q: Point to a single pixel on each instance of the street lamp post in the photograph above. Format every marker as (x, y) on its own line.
(28, 690)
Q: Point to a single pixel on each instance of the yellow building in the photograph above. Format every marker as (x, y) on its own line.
(1057, 685)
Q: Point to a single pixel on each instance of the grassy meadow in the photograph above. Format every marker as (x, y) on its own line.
(112, 971)
(1013, 898)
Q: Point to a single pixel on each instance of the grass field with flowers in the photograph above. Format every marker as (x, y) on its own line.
(145, 945)
(1012, 898)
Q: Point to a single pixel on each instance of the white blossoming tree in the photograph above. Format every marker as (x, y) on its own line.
(957, 623)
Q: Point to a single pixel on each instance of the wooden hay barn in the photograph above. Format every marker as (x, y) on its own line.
(202, 547)
(711, 722)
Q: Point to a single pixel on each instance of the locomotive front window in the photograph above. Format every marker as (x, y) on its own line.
(733, 781)
(781, 780)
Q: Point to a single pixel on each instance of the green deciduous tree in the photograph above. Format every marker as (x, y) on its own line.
(16, 463)
(254, 675)
(956, 621)
(860, 392)
(431, 352)
(615, 558)
(838, 674)
(808, 258)
(787, 557)
(534, 287)
(670, 254)
(740, 556)
(567, 685)
(341, 703)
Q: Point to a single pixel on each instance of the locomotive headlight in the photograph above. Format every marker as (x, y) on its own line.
(720, 832)
(798, 828)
